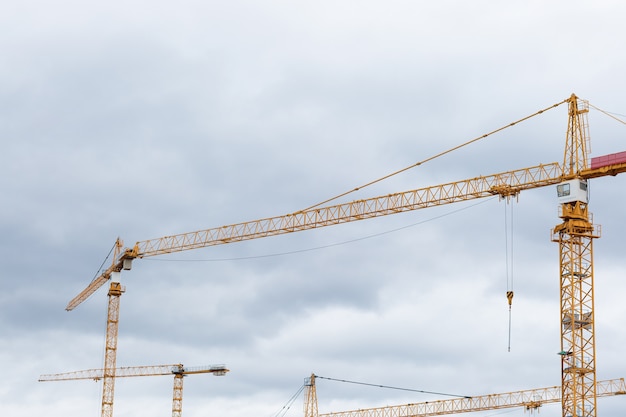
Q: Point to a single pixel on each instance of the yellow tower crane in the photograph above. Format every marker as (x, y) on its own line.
(574, 236)
(530, 400)
(178, 370)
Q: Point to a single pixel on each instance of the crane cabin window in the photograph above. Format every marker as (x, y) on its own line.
(572, 190)
(562, 190)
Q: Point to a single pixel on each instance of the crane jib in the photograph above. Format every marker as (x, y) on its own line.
(506, 183)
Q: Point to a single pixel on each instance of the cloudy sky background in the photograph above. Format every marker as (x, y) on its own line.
(143, 119)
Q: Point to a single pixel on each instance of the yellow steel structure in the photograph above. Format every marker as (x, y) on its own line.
(573, 235)
(178, 370)
(531, 399)
(504, 184)
(310, 398)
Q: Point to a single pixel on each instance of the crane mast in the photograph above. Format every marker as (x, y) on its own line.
(310, 397)
(110, 352)
(575, 238)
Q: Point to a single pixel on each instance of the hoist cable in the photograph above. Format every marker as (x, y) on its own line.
(508, 237)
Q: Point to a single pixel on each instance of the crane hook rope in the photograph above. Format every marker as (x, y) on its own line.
(508, 237)
(440, 154)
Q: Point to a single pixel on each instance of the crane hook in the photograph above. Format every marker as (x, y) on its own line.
(509, 297)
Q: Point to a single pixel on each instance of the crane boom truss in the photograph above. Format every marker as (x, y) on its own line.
(504, 184)
(530, 399)
(132, 371)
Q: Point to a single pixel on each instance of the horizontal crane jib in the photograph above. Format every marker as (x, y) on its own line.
(504, 184)
(530, 399)
(134, 371)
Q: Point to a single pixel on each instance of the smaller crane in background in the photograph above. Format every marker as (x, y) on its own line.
(530, 399)
(178, 370)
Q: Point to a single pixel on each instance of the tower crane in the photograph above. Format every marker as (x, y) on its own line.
(530, 399)
(574, 236)
(178, 370)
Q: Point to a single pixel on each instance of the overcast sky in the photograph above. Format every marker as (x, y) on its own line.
(142, 119)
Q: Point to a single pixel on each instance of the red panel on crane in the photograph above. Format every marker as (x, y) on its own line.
(611, 159)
